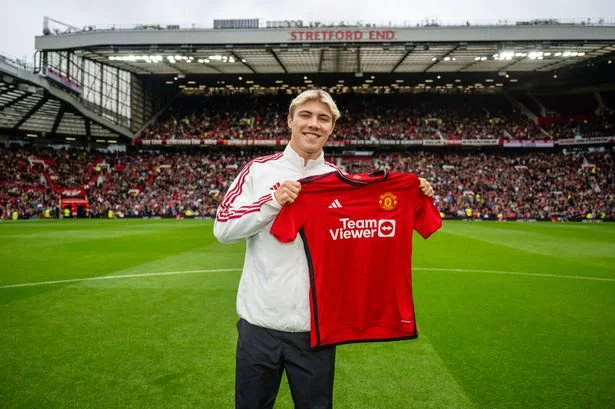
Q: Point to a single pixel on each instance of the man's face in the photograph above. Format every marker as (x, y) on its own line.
(311, 125)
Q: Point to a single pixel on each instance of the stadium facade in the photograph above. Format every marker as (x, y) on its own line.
(118, 88)
(122, 77)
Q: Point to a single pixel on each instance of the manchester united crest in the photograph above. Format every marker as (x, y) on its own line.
(388, 201)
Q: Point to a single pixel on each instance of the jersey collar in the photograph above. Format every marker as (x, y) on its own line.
(362, 179)
(357, 180)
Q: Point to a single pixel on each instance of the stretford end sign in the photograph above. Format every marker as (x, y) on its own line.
(342, 35)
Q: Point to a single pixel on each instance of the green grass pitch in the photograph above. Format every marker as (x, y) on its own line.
(511, 315)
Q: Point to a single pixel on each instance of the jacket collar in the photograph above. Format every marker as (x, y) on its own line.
(299, 162)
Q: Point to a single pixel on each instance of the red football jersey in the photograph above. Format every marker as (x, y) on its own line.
(357, 233)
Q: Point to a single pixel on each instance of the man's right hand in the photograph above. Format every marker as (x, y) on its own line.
(287, 192)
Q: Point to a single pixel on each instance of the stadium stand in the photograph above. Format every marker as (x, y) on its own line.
(506, 123)
(397, 116)
(495, 185)
(608, 99)
(30, 105)
(569, 104)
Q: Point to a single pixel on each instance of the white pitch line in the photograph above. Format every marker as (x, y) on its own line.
(166, 273)
(221, 270)
(516, 273)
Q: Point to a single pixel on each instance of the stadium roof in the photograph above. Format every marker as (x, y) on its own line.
(335, 58)
(30, 106)
(154, 50)
(170, 58)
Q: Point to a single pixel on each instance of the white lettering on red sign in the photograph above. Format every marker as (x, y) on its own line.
(363, 229)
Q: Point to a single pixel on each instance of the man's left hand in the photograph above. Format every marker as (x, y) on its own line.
(425, 187)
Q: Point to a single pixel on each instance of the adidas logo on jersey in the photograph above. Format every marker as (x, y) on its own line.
(335, 204)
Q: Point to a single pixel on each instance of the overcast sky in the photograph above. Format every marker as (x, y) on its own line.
(22, 20)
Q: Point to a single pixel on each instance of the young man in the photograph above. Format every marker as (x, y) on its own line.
(272, 300)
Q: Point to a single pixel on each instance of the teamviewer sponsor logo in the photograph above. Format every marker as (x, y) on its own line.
(386, 228)
(363, 229)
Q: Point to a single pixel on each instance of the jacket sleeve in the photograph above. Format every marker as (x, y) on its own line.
(245, 210)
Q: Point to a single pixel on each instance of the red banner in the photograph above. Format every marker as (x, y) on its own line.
(528, 144)
(64, 80)
(75, 203)
(425, 142)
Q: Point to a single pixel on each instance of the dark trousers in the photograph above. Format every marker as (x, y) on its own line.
(264, 354)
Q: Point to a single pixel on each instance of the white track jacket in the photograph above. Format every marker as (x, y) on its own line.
(274, 286)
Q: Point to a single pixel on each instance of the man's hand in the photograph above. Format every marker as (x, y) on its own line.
(425, 187)
(287, 192)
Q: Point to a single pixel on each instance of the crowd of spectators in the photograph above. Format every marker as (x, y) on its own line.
(154, 184)
(23, 187)
(601, 125)
(493, 184)
(531, 185)
(421, 116)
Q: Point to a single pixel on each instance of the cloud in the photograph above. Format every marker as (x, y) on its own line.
(21, 20)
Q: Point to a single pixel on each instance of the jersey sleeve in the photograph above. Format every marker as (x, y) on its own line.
(426, 216)
(288, 222)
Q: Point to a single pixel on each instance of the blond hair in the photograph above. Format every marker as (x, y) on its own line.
(315, 95)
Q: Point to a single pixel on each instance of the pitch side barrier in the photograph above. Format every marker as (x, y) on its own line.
(480, 219)
(555, 219)
(387, 142)
(552, 219)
